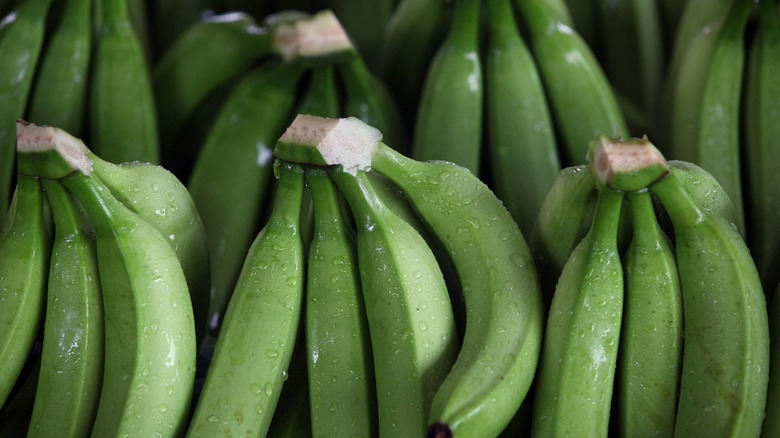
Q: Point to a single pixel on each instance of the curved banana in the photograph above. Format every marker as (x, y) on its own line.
(71, 371)
(123, 124)
(448, 124)
(256, 340)
(230, 180)
(321, 97)
(726, 348)
(761, 145)
(150, 346)
(59, 95)
(20, 46)
(574, 386)
(220, 48)
(504, 310)
(413, 336)
(341, 375)
(650, 351)
(523, 152)
(581, 99)
(24, 263)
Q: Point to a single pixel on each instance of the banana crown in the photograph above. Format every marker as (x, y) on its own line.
(629, 165)
(348, 142)
(32, 138)
(321, 34)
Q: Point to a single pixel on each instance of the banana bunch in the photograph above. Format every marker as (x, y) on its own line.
(317, 71)
(504, 88)
(361, 307)
(667, 334)
(105, 264)
(720, 111)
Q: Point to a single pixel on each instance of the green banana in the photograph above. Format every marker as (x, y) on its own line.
(20, 46)
(60, 91)
(577, 367)
(504, 309)
(123, 124)
(321, 96)
(650, 351)
(341, 377)
(726, 347)
(713, 142)
(150, 345)
(232, 173)
(71, 371)
(138, 12)
(366, 98)
(220, 48)
(255, 343)
(705, 190)
(411, 324)
(366, 34)
(761, 145)
(632, 51)
(520, 139)
(24, 262)
(448, 124)
(413, 33)
(157, 196)
(564, 219)
(585, 19)
(581, 99)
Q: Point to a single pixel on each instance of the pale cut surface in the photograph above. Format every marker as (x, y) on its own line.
(347, 141)
(39, 138)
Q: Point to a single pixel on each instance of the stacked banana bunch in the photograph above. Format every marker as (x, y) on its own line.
(647, 334)
(107, 265)
(365, 301)
(505, 88)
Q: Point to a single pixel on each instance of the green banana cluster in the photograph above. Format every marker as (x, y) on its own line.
(105, 265)
(507, 89)
(667, 336)
(384, 352)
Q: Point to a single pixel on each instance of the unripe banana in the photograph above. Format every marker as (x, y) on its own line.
(122, 125)
(762, 144)
(504, 310)
(410, 319)
(171, 19)
(60, 91)
(520, 139)
(321, 96)
(448, 125)
(582, 102)
(577, 368)
(340, 370)
(20, 46)
(650, 352)
(71, 371)
(256, 340)
(230, 180)
(24, 262)
(150, 344)
(726, 348)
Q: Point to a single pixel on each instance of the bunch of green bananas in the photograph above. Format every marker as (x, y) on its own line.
(107, 265)
(367, 300)
(720, 111)
(507, 89)
(655, 336)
